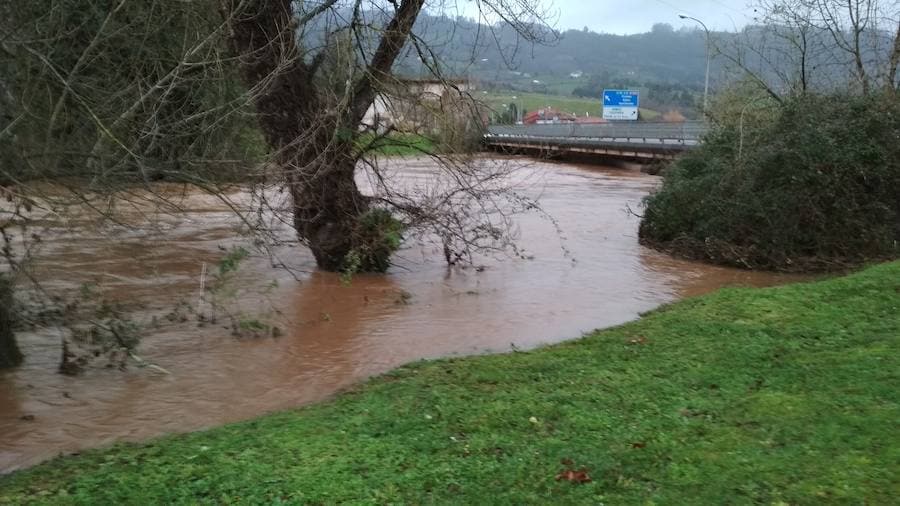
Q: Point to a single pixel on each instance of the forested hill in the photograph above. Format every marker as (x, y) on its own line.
(661, 56)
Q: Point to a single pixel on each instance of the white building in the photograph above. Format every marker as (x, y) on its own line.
(414, 104)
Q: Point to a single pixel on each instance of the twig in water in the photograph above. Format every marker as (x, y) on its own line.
(202, 290)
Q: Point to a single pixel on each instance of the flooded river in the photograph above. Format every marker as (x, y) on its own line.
(334, 334)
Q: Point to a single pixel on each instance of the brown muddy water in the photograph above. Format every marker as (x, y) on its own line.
(334, 334)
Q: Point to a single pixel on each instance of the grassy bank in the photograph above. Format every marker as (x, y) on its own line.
(398, 144)
(770, 396)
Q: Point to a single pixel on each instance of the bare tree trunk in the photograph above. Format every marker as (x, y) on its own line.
(858, 24)
(890, 81)
(327, 204)
(315, 162)
(312, 139)
(804, 50)
(9, 351)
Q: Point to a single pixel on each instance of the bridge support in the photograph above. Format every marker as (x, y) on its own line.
(556, 151)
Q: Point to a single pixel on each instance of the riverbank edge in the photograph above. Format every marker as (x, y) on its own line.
(399, 145)
(727, 255)
(776, 395)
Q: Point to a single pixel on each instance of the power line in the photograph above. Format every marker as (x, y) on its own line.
(728, 7)
(675, 8)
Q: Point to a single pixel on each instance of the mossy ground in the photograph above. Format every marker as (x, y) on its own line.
(785, 395)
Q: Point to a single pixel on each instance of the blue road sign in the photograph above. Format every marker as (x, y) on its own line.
(620, 104)
(620, 98)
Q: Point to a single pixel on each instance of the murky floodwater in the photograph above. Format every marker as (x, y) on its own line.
(334, 334)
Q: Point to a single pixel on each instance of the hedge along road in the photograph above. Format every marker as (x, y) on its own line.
(334, 334)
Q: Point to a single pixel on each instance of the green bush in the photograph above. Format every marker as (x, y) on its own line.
(377, 236)
(815, 187)
(9, 351)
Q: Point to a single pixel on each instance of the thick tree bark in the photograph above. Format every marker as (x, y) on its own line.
(312, 142)
(315, 163)
(9, 352)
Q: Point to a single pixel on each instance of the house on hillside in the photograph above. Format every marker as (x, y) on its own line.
(548, 116)
(551, 116)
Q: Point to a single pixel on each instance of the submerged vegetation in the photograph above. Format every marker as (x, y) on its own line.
(770, 396)
(377, 236)
(9, 349)
(809, 184)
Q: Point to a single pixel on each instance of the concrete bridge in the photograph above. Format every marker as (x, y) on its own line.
(638, 141)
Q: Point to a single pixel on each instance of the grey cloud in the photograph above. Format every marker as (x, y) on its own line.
(636, 16)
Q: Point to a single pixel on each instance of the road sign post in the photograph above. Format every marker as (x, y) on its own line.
(620, 104)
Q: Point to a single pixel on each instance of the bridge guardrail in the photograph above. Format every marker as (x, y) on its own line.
(686, 133)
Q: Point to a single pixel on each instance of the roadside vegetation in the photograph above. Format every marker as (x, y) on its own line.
(783, 395)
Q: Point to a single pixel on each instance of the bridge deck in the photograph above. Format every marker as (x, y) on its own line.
(638, 140)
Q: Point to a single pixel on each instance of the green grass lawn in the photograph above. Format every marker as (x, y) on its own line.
(784, 395)
(533, 101)
(398, 144)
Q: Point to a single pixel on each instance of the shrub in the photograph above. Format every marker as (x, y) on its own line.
(9, 352)
(816, 187)
(377, 236)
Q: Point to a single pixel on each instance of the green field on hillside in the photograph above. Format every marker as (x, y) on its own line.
(497, 100)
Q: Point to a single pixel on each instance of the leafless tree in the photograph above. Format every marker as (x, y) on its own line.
(815, 45)
(867, 32)
(792, 24)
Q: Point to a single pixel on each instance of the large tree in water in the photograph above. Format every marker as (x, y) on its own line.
(315, 68)
(112, 95)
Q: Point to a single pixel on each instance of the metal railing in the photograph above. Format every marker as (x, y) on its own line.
(687, 133)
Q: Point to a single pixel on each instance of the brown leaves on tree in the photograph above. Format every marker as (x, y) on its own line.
(573, 475)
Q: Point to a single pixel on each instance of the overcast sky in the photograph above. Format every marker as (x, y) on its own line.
(637, 16)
